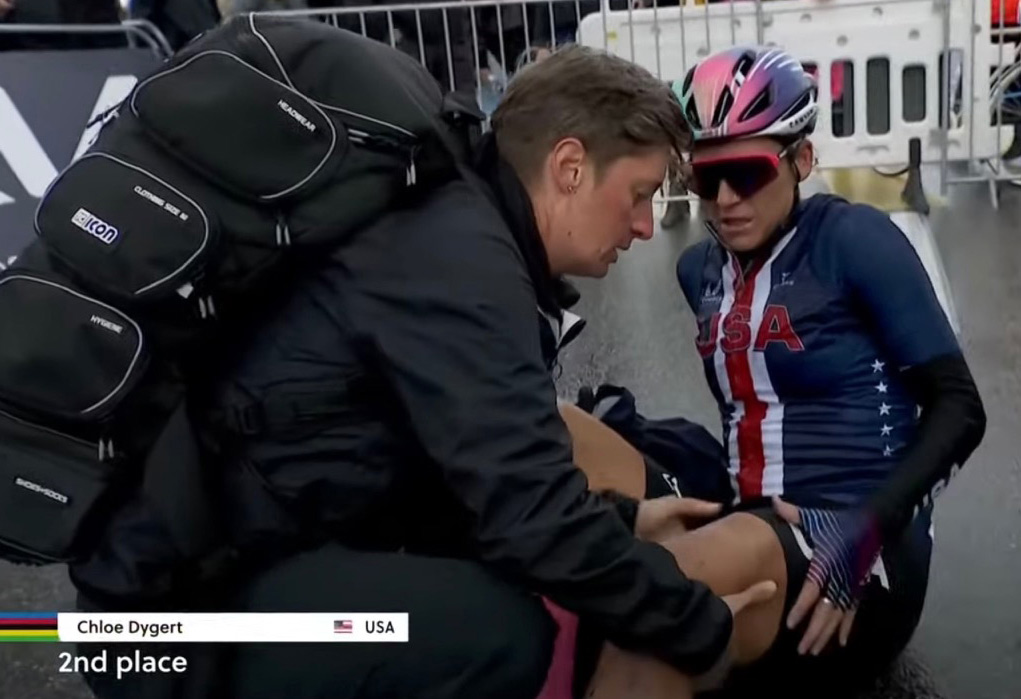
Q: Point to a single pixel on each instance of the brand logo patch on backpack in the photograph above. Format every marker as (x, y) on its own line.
(109, 325)
(95, 226)
(36, 488)
(297, 116)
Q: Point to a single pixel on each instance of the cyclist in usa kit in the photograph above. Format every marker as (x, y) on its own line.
(846, 402)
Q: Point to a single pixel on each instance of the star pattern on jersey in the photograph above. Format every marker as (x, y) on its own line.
(884, 408)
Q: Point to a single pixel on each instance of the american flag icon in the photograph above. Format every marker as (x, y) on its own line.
(343, 626)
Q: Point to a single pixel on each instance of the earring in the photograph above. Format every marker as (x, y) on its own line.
(572, 189)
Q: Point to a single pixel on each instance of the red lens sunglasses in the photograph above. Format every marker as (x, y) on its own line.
(745, 174)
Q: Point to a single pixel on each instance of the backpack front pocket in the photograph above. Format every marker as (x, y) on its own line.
(51, 485)
(64, 354)
(123, 230)
(240, 126)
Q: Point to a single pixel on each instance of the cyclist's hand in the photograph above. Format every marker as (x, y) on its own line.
(845, 546)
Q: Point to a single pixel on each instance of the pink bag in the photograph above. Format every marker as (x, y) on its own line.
(561, 671)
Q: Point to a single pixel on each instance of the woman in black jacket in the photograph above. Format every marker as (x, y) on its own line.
(412, 457)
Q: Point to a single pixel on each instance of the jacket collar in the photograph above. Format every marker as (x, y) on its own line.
(554, 294)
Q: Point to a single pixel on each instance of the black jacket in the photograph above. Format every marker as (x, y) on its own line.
(179, 20)
(401, 399)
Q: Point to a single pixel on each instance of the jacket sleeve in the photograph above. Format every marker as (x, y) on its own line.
(884, 277)
(449, 315)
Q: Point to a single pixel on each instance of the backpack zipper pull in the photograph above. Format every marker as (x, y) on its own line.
(206, 308)
(105, 449)
(412, 175)
(283, 231)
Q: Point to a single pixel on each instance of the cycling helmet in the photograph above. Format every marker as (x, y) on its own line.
(748, 91)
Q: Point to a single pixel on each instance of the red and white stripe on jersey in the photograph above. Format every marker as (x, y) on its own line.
(755, 434)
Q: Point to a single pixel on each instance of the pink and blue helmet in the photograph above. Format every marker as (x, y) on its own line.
(748, 91)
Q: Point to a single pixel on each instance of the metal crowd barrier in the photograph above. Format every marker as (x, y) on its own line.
(898, 78)
(902, 82)
(137, 32)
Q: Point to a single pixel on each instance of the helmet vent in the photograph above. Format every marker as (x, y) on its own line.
(802, 102)
(691, 113)
(742, 66)
(761, 103)
(723, 106)
(686, 85)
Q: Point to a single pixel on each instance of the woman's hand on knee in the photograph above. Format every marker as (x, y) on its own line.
(659, 519)
(740, 602)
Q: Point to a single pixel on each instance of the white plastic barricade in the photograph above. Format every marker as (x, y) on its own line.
(879, 66)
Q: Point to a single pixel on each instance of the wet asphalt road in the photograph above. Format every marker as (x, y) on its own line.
(640, 335)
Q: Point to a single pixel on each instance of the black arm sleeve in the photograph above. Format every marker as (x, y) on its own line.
(450, 315)
(885, 277)
(953, 424)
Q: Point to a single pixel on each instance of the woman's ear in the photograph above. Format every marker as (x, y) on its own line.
(567, 161)
(804, 160)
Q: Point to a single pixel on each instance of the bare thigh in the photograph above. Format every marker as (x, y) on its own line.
(728, 555)
(609, 462)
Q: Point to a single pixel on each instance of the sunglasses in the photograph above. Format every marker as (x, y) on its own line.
(744, 174)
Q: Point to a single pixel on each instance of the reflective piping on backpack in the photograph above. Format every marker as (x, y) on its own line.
(276, 58)
(269, 47)
(365, 117)
(205, 219)
(43, 428)
(138, 331)
(312, 103)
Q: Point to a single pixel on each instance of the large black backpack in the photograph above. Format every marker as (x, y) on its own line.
(221, 177)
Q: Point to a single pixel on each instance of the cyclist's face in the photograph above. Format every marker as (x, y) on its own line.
(747, 187)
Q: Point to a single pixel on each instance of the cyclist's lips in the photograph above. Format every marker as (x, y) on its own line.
(735, 224)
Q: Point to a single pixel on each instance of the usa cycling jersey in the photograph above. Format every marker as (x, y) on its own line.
(804, 351)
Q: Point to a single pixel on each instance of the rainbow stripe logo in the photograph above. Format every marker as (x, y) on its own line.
(28, 627)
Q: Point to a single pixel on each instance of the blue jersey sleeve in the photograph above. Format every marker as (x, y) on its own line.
(882, 273)
(690, 268)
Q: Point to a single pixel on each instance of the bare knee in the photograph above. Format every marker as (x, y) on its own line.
(730, 555)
